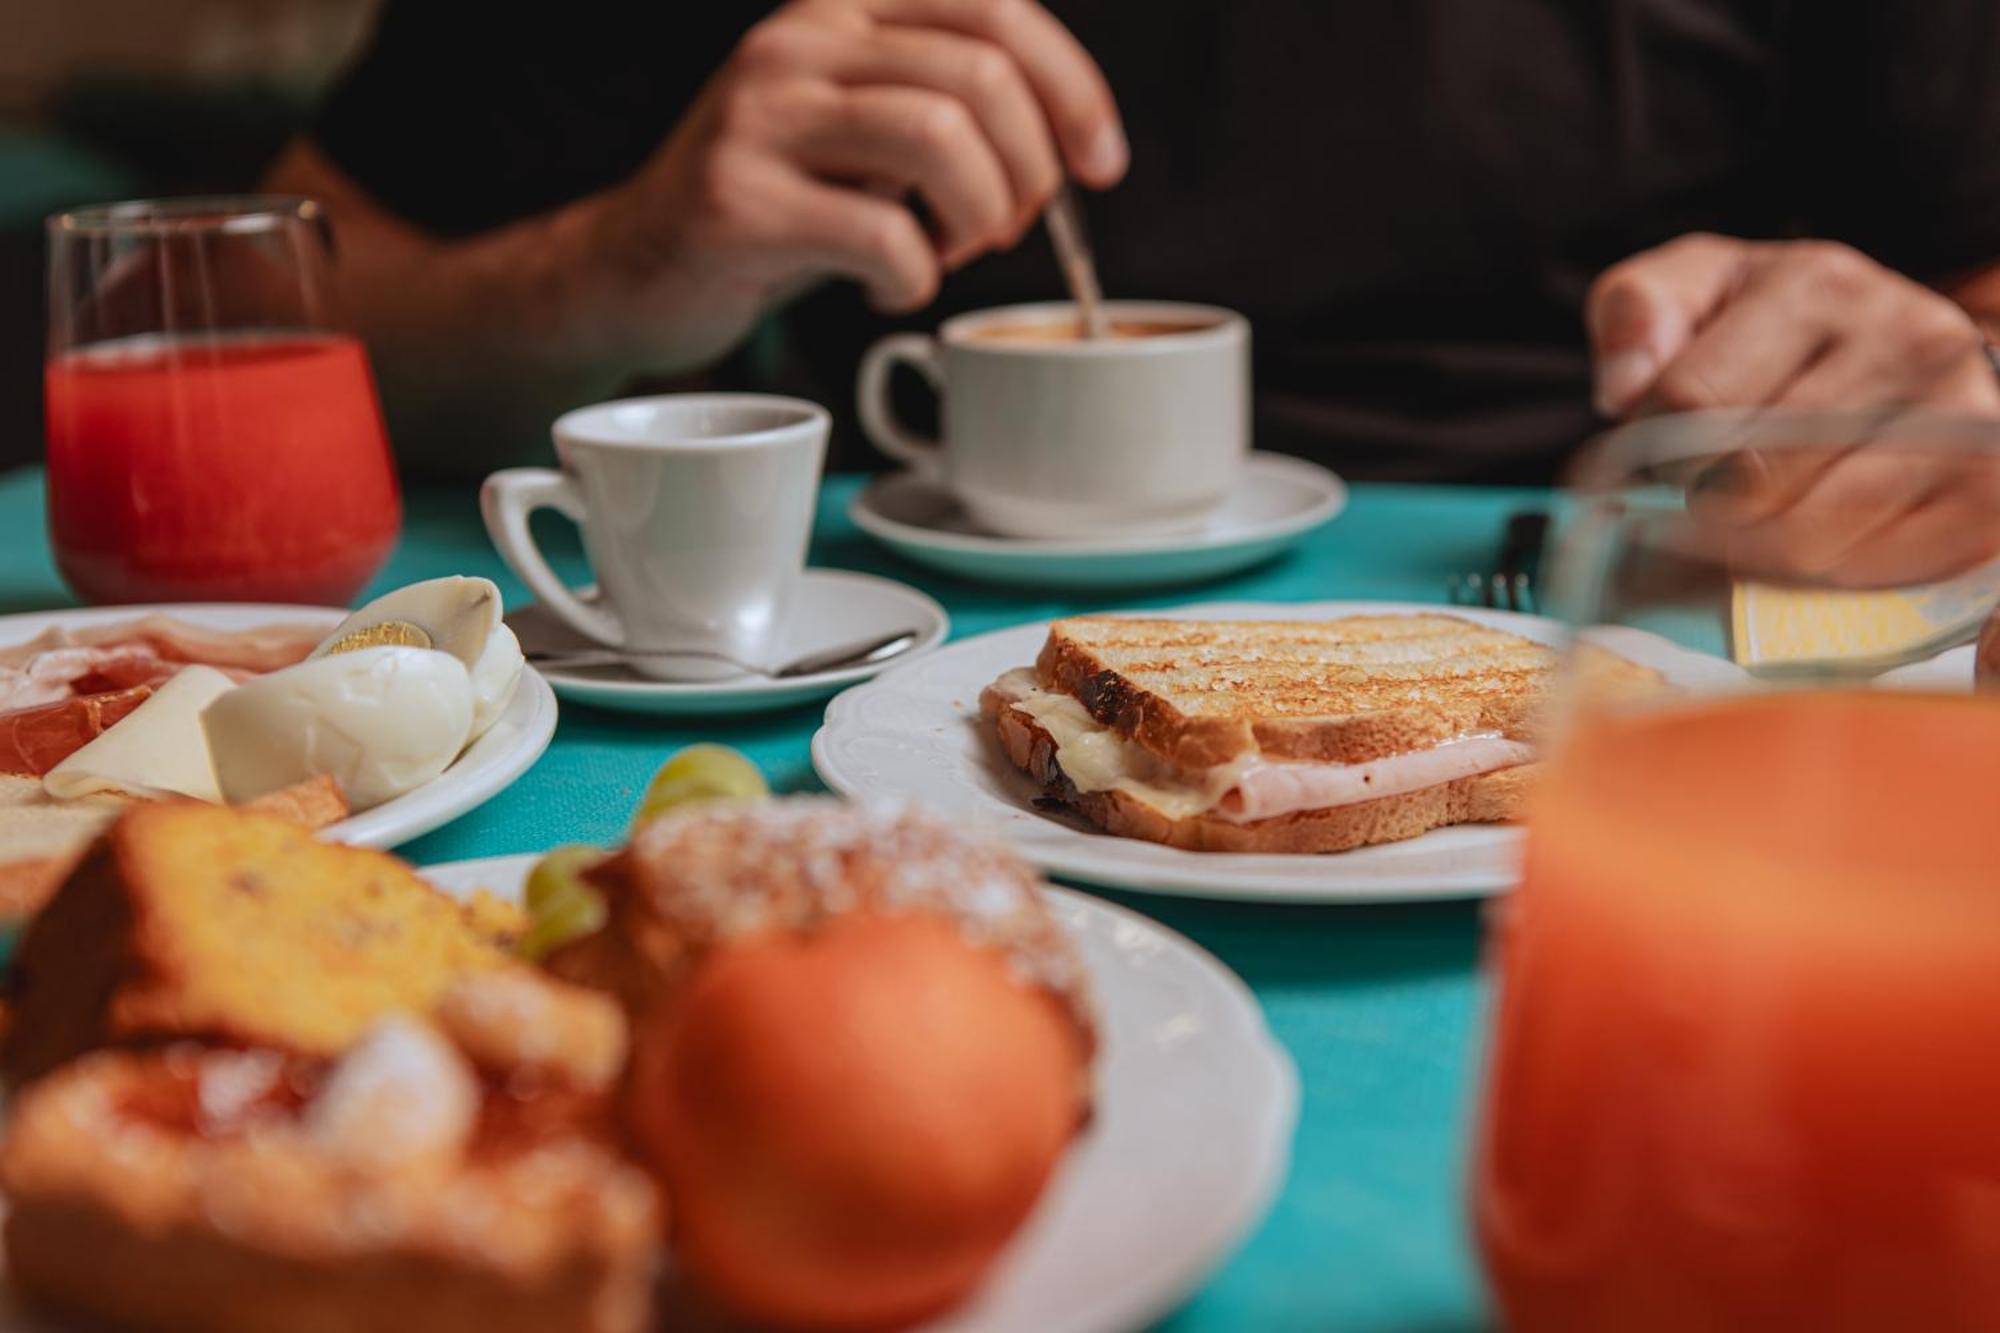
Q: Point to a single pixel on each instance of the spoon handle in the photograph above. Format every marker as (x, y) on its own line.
(1065, 222)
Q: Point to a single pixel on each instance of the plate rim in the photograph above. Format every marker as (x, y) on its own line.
(385, 825)
(752, 687)
(1332, 501)
(1225, 1230)
(1103, 860)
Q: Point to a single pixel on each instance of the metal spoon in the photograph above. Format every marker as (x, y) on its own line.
(1065, 222)
(865, 653)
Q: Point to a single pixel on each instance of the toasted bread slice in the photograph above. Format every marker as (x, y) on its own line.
(1486, 798)
(1198, 693)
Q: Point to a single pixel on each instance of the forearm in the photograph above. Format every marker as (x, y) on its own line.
(477, 343)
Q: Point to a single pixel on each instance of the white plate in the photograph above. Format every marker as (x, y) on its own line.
(917, 732)
(490, 764)
(1950, 672)
(1189, 1144)
(832, 607)
(1279, 500)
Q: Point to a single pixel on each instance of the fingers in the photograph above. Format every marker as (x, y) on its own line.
(789, 226)
(990, 84)
(1880, 513)
(1773, 325)
(1707, 322)
(1642, 312)
(1907, 345)
(1066, 81)
(870, 239)
(909, 138)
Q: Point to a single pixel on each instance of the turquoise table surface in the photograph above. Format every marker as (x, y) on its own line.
(1380, 1006)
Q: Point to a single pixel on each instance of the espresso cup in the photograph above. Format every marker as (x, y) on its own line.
(1047, 434)
(695, 509)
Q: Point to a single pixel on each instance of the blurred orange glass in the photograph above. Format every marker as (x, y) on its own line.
(1742, 1068)
(213, 432)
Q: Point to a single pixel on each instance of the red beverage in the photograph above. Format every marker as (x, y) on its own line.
(218, 468)
(1744, 1071)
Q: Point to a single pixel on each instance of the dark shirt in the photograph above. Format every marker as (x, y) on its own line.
(1408, 198)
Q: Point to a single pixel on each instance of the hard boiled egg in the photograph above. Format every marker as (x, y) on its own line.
(156, 750)
(381, 721)
(456, 615)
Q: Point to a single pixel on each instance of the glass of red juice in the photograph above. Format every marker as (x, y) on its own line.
(213, 429)
(1741, 1073)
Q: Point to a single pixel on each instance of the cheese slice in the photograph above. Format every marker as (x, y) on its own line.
(158, 750)
(1095, 758)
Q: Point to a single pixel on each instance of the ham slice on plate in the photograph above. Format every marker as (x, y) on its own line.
(35, 740)
(60, 663)
(62, 688)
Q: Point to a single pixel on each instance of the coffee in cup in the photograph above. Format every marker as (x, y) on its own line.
(1069, 330)
(695, 509)
(1050, 434)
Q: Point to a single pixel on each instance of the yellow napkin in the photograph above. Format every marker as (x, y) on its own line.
(1782, 626)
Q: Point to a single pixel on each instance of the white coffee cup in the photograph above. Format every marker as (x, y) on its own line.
(1117, 436)
(695, 509)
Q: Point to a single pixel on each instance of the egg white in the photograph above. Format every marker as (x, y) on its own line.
(381, 721)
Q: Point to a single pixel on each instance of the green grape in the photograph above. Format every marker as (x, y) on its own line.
(561, 906)
(701, 773)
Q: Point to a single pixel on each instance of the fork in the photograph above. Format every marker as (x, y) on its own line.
(1511, 584)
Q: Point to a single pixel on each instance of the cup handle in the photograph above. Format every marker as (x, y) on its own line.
(878, 417)
(506, 501)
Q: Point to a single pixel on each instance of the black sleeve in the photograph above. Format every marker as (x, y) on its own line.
(1896, 124)
(461, 118)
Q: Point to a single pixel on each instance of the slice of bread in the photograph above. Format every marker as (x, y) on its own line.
(1487, 798)
(192, 920)
(1200, 693)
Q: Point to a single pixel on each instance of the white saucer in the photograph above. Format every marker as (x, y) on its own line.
(1279, 500)
(1187, 1146)
(917, 734)
(832, 607)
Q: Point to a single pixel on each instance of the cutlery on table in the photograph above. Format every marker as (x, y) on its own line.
(864, 653)
(1513, 583)
(1065, 221)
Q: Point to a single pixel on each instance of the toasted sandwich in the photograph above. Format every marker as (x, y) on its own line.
(1278, 736)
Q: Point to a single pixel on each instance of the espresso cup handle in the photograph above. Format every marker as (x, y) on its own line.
(878, 416)
(506, 501)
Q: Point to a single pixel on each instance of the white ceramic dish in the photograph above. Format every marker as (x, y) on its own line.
(832, 607)
(1277, 501)
(1950, 672)
(489, 765)
(1190, 1141)
(917, 733)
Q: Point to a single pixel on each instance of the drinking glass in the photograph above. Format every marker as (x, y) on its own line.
(213, 432)
(1742, 1071)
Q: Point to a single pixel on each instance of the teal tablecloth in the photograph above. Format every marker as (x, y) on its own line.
(1380, 1006)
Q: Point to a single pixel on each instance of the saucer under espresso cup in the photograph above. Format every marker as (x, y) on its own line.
(1275, 503)
(695, 509)
(1047, 434)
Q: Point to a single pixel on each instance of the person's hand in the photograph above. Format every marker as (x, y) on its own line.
(1905, 498)
(1712, 322)
(1707, 322)
(887, 141)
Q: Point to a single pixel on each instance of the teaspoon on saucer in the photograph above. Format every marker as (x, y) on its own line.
(864, 653)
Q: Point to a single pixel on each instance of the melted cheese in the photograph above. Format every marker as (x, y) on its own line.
(1095, 759)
